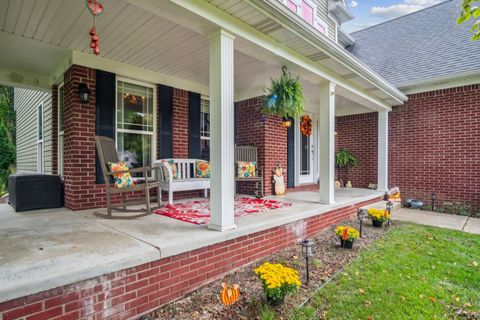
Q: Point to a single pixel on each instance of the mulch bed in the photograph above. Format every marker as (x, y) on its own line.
(328, 259)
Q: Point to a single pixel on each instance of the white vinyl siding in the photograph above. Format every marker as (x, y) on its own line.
(322, 14)
(26, 102)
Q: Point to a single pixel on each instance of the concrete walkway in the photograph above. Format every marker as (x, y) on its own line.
(435, 219)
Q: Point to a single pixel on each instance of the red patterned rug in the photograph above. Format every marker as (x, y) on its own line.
(198, 211)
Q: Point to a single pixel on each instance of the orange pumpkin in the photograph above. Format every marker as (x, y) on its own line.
(229, 295)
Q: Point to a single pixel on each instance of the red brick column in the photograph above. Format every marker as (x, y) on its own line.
(54, 137)
(180, 123)
(265, 133)
(79, 138)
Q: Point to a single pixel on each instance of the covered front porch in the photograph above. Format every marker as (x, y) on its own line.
(60, 249)
(221, 50)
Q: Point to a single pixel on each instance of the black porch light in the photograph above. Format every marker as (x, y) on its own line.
(84, 92)
(307, 252)
(361, 214)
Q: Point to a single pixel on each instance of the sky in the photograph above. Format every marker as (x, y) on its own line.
(370, 12)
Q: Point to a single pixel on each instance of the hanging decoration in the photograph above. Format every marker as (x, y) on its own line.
(306, 125)
(284, 98)
(95, 9)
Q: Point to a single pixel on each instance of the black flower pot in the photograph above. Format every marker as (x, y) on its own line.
(377, 223)
(347, 244)
(275, 301)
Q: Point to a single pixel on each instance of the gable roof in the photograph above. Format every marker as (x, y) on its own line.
(419, 47)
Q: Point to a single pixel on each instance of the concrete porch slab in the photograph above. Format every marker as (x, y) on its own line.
(44, 249)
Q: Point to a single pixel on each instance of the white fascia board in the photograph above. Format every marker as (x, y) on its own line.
(296, 25)
(226, 21)
(440, 83)
(15, 77)
(136, 73)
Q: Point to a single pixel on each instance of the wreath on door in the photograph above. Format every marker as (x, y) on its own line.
(306, 125)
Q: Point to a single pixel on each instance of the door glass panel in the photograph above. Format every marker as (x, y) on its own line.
(305, 154)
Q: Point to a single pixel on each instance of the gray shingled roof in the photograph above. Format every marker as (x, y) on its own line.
(420, 46)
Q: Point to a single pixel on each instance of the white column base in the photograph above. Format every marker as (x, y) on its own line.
(221, 228)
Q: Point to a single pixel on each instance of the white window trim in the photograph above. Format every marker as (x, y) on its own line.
(316, 19)
(40, 142)
(154, 106)
(60, 133)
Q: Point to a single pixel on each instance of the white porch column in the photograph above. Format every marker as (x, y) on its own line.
(327, 143)
(222, 135)
(382, 171)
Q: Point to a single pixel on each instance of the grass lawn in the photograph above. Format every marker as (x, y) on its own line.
(415, 272)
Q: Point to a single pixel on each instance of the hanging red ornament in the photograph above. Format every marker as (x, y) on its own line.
(95, 9)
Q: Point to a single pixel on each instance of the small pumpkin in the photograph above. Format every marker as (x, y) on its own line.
(229, 295)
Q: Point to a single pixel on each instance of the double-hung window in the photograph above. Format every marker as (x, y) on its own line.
(60, 129)
(307, 10)
(205, 128)
(40, 166)
(135, 123)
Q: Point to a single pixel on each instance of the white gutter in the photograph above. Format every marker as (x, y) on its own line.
(275, 10)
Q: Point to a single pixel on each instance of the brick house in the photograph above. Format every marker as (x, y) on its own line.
(196, 71)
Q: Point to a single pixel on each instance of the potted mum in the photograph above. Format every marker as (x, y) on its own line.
(378, 216)
(347, 236)
(277, 281)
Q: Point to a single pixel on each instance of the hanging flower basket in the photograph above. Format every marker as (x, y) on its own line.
(306, 125)
(284, 98)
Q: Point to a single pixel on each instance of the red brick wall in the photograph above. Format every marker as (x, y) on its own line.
(180, 123)
(358, 134)
(265, 133)
(79, 137)
(54, 137)
(435, 145)
(131, 292)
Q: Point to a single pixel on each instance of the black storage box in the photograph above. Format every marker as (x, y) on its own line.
(34, 191)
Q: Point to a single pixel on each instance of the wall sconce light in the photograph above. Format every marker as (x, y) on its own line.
(307, 252)
(84, 92)
(287, 123)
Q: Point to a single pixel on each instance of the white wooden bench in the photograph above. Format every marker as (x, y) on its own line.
(185, 180)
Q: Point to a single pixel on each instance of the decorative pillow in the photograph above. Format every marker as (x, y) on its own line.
(172, 165)
(246, 169)
(122, 180)
(202, 169)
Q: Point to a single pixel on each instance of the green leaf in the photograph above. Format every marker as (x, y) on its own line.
(464, 17)
(476, 12)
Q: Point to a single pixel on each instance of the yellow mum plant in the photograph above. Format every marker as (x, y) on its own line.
(378, 214)
(347, 233)
(277, 280)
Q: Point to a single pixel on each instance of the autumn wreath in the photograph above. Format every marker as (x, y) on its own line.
(306, 125)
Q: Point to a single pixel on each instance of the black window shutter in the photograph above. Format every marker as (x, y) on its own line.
(291, 156)
(165, 122)
(104, 112)
(194, 112)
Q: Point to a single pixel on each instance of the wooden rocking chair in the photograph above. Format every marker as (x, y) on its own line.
(107, 153)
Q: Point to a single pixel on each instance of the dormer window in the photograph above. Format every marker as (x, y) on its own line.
(307, 10)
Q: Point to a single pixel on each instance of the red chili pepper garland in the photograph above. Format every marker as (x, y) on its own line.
(95, 9)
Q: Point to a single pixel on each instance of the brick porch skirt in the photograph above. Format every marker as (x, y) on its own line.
(135, 291)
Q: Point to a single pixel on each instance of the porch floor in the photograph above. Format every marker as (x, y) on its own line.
(45, 249)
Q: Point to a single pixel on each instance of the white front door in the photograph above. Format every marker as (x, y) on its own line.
(307, 153)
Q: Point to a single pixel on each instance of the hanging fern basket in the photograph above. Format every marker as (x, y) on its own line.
(284, 98)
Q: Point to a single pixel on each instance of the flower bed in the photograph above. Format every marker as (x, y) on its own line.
(328, 258)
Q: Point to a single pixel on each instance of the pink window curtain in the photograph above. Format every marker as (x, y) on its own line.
(307, 12)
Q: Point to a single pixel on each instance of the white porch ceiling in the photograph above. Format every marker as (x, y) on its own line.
(36, 34)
